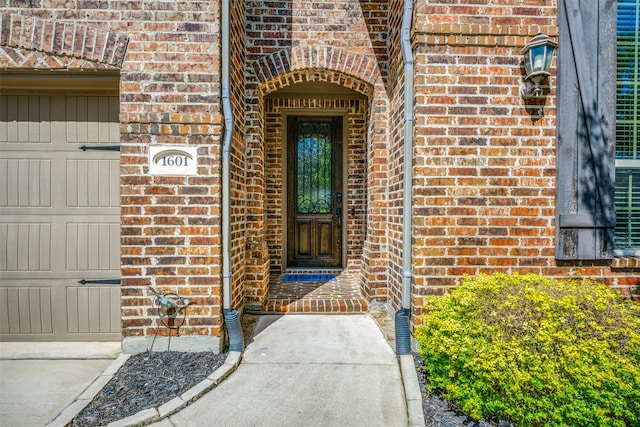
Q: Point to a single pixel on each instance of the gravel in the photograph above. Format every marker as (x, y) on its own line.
(148, 380)
(440, 412)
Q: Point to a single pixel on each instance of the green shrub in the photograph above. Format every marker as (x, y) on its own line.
(535, 351)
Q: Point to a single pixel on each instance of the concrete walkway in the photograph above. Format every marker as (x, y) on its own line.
(307, 370)
(297, 370)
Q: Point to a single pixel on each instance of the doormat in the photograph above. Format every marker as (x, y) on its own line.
(309, 278)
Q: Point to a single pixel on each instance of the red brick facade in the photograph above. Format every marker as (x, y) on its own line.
(168, 57)
(484, 162)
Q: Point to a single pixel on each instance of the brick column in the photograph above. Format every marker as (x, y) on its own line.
(171, 235)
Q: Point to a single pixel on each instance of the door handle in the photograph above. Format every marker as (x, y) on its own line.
(339, 216)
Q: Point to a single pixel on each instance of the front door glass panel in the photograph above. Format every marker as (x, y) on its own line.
(313, 169)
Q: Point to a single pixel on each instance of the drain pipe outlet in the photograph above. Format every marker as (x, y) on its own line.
(231, 317)
(234, 329)
(403, 317)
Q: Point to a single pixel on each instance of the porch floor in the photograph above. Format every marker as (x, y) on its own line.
(336, 296)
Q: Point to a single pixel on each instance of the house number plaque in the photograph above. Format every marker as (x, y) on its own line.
(173, 160)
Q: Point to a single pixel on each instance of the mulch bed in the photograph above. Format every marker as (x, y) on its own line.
(148, 380)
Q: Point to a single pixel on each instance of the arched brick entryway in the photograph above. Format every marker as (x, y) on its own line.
(366, 109)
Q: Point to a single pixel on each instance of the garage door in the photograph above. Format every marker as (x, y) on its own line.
(60, 218)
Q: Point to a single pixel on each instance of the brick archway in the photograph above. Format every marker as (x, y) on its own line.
(30, 42)
(311, 63)
(352, 70)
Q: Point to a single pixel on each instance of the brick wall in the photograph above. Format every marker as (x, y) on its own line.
(343, 42)
(238, 168)
(170, 94)
(484, 162)
(168, 56)
(395, 185)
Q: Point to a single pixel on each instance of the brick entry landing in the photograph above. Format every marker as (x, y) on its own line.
(336, 296)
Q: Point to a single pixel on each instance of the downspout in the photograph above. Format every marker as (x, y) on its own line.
(403, 316)
(231, 317)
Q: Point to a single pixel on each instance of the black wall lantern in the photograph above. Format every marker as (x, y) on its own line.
(538, 54)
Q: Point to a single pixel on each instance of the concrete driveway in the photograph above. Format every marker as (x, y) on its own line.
(38, 380)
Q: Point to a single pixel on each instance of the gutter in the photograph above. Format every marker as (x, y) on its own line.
(403, 316)
(231, 317)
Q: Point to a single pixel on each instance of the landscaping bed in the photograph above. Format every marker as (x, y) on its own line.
(147, 380)
(534, 351)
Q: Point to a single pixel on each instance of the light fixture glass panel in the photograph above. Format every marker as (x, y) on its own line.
(528, 62)
(548, 58)
(538, 54)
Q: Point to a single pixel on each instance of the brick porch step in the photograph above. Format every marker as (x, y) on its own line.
(338, 295)
(316, 305)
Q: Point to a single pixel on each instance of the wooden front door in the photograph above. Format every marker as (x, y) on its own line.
(314, 191)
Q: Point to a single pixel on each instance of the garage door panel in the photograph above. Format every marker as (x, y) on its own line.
(78, 310)
(106, 242)
(109, 191)
(94, 305)
(45, 118)
(59, 118)
(25, 247)
(92, 247)
(91, 310)
(4, 244)
(10, 118)
(72, 177)
(25, 118)
(27, 182)
(104, 127)
(114, 125)
(4, 119)
(92, 183)
(39, 246)
(26, 310)
(40, 311)
(4, 311)
(105, 309)
(76, 118)
(40, 183)
(60, 218)
(104, 181)
(64, 310)
(13, 194)
(13, 308)
(77, 175)
(92, 119)
(23, 182)
(34, 119)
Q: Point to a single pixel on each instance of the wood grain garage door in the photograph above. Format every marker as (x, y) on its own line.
(60, 218)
